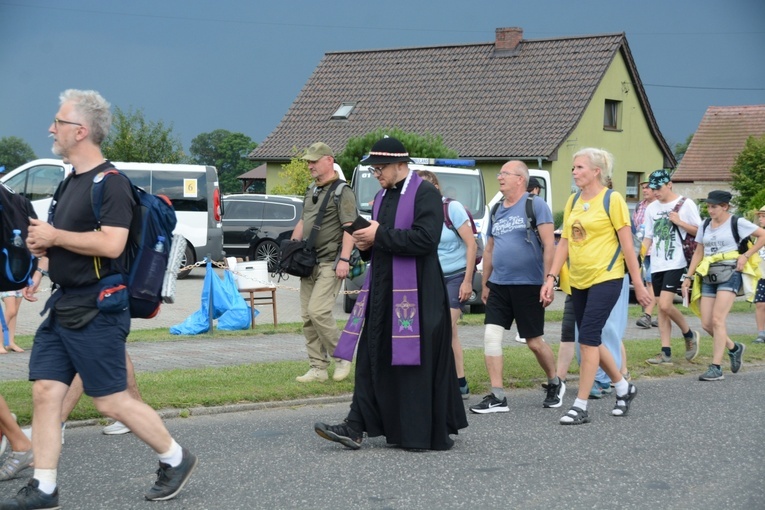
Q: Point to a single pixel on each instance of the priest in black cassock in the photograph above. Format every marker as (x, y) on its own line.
(406, 382)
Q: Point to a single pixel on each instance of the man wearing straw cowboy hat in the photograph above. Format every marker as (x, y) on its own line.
(406, 382)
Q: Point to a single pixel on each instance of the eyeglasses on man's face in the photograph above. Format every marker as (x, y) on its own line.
(58, 121)
(507, 174)
(378, 170)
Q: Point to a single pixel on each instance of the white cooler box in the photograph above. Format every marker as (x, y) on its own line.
(252, 275)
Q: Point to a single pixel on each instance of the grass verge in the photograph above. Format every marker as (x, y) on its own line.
(269, 382)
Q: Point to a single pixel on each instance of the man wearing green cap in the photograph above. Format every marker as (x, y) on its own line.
(318, 291)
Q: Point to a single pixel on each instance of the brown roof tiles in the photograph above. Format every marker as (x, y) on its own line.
(720, 137)
(484, 103)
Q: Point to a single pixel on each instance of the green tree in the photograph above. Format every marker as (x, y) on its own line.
(421, 146)
(748, 173)
(14, 152)
(227, 152)
(133, 138)
(681, 148)
(296, 175)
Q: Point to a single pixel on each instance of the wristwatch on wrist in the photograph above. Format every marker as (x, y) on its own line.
(686, 277)
(42, 271)
(345, 260)
(556, 280)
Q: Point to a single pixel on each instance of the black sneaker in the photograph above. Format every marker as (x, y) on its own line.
(31, 497)
(555, 394)
(170, 480)
(342, 433)
(490, 404)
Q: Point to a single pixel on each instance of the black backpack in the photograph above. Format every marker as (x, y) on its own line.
(17, 264)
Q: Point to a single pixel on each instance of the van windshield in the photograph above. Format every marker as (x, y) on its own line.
(465, 188)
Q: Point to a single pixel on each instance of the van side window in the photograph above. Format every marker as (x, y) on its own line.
(187, 190)
(38, 182)
(278, 212)
(243, 210)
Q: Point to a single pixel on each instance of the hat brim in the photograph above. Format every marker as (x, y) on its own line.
(385, 160)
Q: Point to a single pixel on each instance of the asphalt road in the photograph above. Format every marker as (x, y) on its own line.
(685, 444)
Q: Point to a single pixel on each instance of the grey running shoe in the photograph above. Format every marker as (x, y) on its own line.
(14, 463)
(31, 497)
(712, 374)
(692, 346)
(342, 433)
(660, 359)
(655, 322)
(644, 321)
(735, 358)
(170, 480)
(760, 339)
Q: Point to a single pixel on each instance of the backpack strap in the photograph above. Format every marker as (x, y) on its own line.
(339, 191)
(447, 219)
(531, 219)
(320, 216)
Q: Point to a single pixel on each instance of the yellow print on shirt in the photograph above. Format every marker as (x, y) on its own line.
(578, 233)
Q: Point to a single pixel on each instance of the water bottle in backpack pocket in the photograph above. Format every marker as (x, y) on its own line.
(152, 264)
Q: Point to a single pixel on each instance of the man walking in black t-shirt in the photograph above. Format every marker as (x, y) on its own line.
(77, 337)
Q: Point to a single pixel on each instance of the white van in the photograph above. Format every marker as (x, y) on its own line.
(458, 179)
(193, 190)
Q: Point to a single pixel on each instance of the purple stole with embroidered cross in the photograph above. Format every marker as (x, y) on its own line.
(406, 318)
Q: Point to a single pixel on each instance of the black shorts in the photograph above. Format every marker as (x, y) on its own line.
(667, 281)
(519, 303)
(95, 351)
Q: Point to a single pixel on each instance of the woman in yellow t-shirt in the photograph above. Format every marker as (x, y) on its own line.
(597, 245)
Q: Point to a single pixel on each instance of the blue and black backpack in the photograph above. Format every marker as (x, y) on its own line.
(144, 261)
(17, 264)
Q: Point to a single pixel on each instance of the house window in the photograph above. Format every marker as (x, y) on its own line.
(344, 111)
(633, 185)
(612, 114)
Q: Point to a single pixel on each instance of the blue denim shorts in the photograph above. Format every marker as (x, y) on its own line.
(732, 285)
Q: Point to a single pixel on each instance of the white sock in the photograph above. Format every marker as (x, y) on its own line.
(581, 404)
(47, 479)
(173, 456)
(622, 387)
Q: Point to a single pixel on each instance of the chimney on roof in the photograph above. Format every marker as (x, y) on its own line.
(508, 38)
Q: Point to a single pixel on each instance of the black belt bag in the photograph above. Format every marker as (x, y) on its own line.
(74, 310)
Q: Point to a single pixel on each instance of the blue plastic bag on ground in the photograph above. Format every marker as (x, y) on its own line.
(229, 307)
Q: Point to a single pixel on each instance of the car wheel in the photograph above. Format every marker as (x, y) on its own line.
(188, 258)
(268, 251)
(348, 303)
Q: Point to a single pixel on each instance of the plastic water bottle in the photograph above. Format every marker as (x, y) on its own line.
(16, 240)
(160, 246)
(18, 259)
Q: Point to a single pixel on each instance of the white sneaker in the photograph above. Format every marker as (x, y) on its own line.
(519, 339)
(115, 429)
(342, 369)
(313, 375)
(28, 431)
